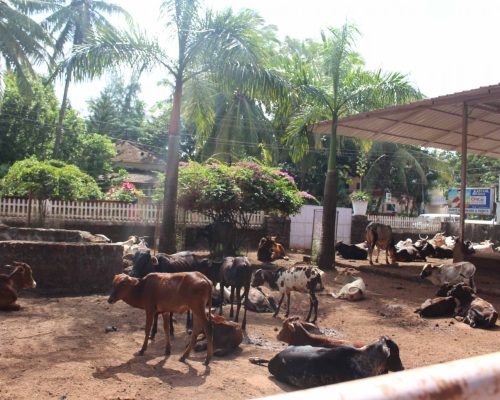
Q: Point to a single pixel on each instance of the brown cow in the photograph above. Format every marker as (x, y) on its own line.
(380, 235)
(269, 249)
(437, 307)
(21, 277)
(161, 293)
(296, 332)
(228, 336)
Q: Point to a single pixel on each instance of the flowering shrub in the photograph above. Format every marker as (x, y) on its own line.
(221, 191)
(124, 192)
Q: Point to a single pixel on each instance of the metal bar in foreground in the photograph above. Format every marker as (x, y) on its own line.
(475, 378)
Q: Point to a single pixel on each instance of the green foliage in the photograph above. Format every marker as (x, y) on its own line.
(93, 155)
(52, 179)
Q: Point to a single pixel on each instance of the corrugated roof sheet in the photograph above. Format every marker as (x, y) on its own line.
(433, 122)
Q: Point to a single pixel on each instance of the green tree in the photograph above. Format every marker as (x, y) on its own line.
(23, 41)
(198, 38)
(93, 155)
(74, 23)
(343, 88)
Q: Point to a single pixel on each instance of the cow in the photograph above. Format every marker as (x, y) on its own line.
(236, 272)
(485, 247)
(300, 278)
(450, 274)
(380, 235)
(227, 336)
(437, 307)
(159, 293)
(350, 251)
(270, 250)
(259, 302)
(408, 254)
(21, 277)
(354, 287)
(297, 332)
(475, 311)
(306, 366)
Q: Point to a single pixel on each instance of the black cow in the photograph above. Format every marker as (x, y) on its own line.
(351, 251)
(306, 366)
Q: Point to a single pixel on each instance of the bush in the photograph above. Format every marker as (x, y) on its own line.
(360, 196)
(125, 191)
(52, 179)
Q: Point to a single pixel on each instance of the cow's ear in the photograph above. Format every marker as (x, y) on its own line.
(385, 348)
(154, 260)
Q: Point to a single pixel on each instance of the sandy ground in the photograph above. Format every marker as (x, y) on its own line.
(57, 348)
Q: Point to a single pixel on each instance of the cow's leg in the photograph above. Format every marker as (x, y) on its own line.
(279, 305)
(189, 321)
(287, 304)
(231, 299)
(378, 254)
(238, 303)
(221, 297)
(154, 329)
(8, 299)
(245, 295)
(166, 328)
(150, 314)
(387, 256)
(310, 306)
(315, 304)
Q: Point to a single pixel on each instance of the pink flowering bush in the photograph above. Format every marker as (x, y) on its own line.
(126, 191)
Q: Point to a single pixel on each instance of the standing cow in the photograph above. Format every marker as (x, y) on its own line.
(380, 235)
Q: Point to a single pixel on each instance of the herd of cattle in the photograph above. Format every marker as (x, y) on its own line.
(184, 282)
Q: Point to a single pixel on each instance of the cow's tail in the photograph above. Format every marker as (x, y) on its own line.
(258, 361)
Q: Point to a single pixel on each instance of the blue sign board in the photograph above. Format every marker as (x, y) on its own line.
(477, 200)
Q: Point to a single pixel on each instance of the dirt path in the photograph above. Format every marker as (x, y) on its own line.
(57, 348)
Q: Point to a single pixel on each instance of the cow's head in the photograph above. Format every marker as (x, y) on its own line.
(391, 350)
(23, 275)
(428, 270)
(462, 293)
(258, 278)
(121, 287)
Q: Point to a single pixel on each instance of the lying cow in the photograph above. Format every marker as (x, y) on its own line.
(354, 288)
(19, 278)
(437, 307)
(380, 236)
(270, 250)
(350, 251)
(259, 302)
(306, 366)
(297, 332)
(450, 274)
(227, 336)
(476, 312)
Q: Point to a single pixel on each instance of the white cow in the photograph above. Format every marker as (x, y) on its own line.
(452, 274)
(354, 288)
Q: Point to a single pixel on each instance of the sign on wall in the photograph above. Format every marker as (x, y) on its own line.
(477, 200)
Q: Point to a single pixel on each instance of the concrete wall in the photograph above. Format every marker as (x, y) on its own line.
(302, 224)
(474, 232)
(66, 268)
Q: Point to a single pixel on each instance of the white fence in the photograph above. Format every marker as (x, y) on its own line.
(105, 211)
(407, 224)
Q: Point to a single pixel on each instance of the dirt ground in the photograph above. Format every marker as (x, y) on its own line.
(57, 348)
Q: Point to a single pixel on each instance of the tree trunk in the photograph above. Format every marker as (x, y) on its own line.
(62, 113)
(326, 257)
(168, 231)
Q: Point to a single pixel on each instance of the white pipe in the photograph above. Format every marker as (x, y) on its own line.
(475, 378)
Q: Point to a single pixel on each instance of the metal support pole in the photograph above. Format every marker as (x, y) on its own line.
(463, 174)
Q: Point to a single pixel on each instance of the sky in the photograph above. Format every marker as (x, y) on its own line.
(444, 46)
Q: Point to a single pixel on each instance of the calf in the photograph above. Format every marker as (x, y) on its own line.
(354, 288)
(350, 251)
(296, 332)
(476, 312)
(300, 278)
(408, 254)
(450, 274)
(21, 277)
(270, 250)
(236, 272)
(437, 307)
(381, 236)
(305, 366)
(227, 337)
(259, 302)
(159, 293)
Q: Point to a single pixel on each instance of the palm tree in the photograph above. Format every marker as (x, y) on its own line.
(234, 41)
(23, 41)
(343, 87)
(74, 23)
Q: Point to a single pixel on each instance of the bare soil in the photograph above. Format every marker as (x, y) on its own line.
(57, 348)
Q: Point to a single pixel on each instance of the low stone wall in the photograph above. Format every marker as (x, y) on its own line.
(47, 235)
(474, 232)
(66, 268)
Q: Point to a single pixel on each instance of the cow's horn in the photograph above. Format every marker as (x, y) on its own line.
(421, 238)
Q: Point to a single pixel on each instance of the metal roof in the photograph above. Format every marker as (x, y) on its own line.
(433, 122)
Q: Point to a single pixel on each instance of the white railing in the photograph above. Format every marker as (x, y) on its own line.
(105, 211)
(408, 224)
